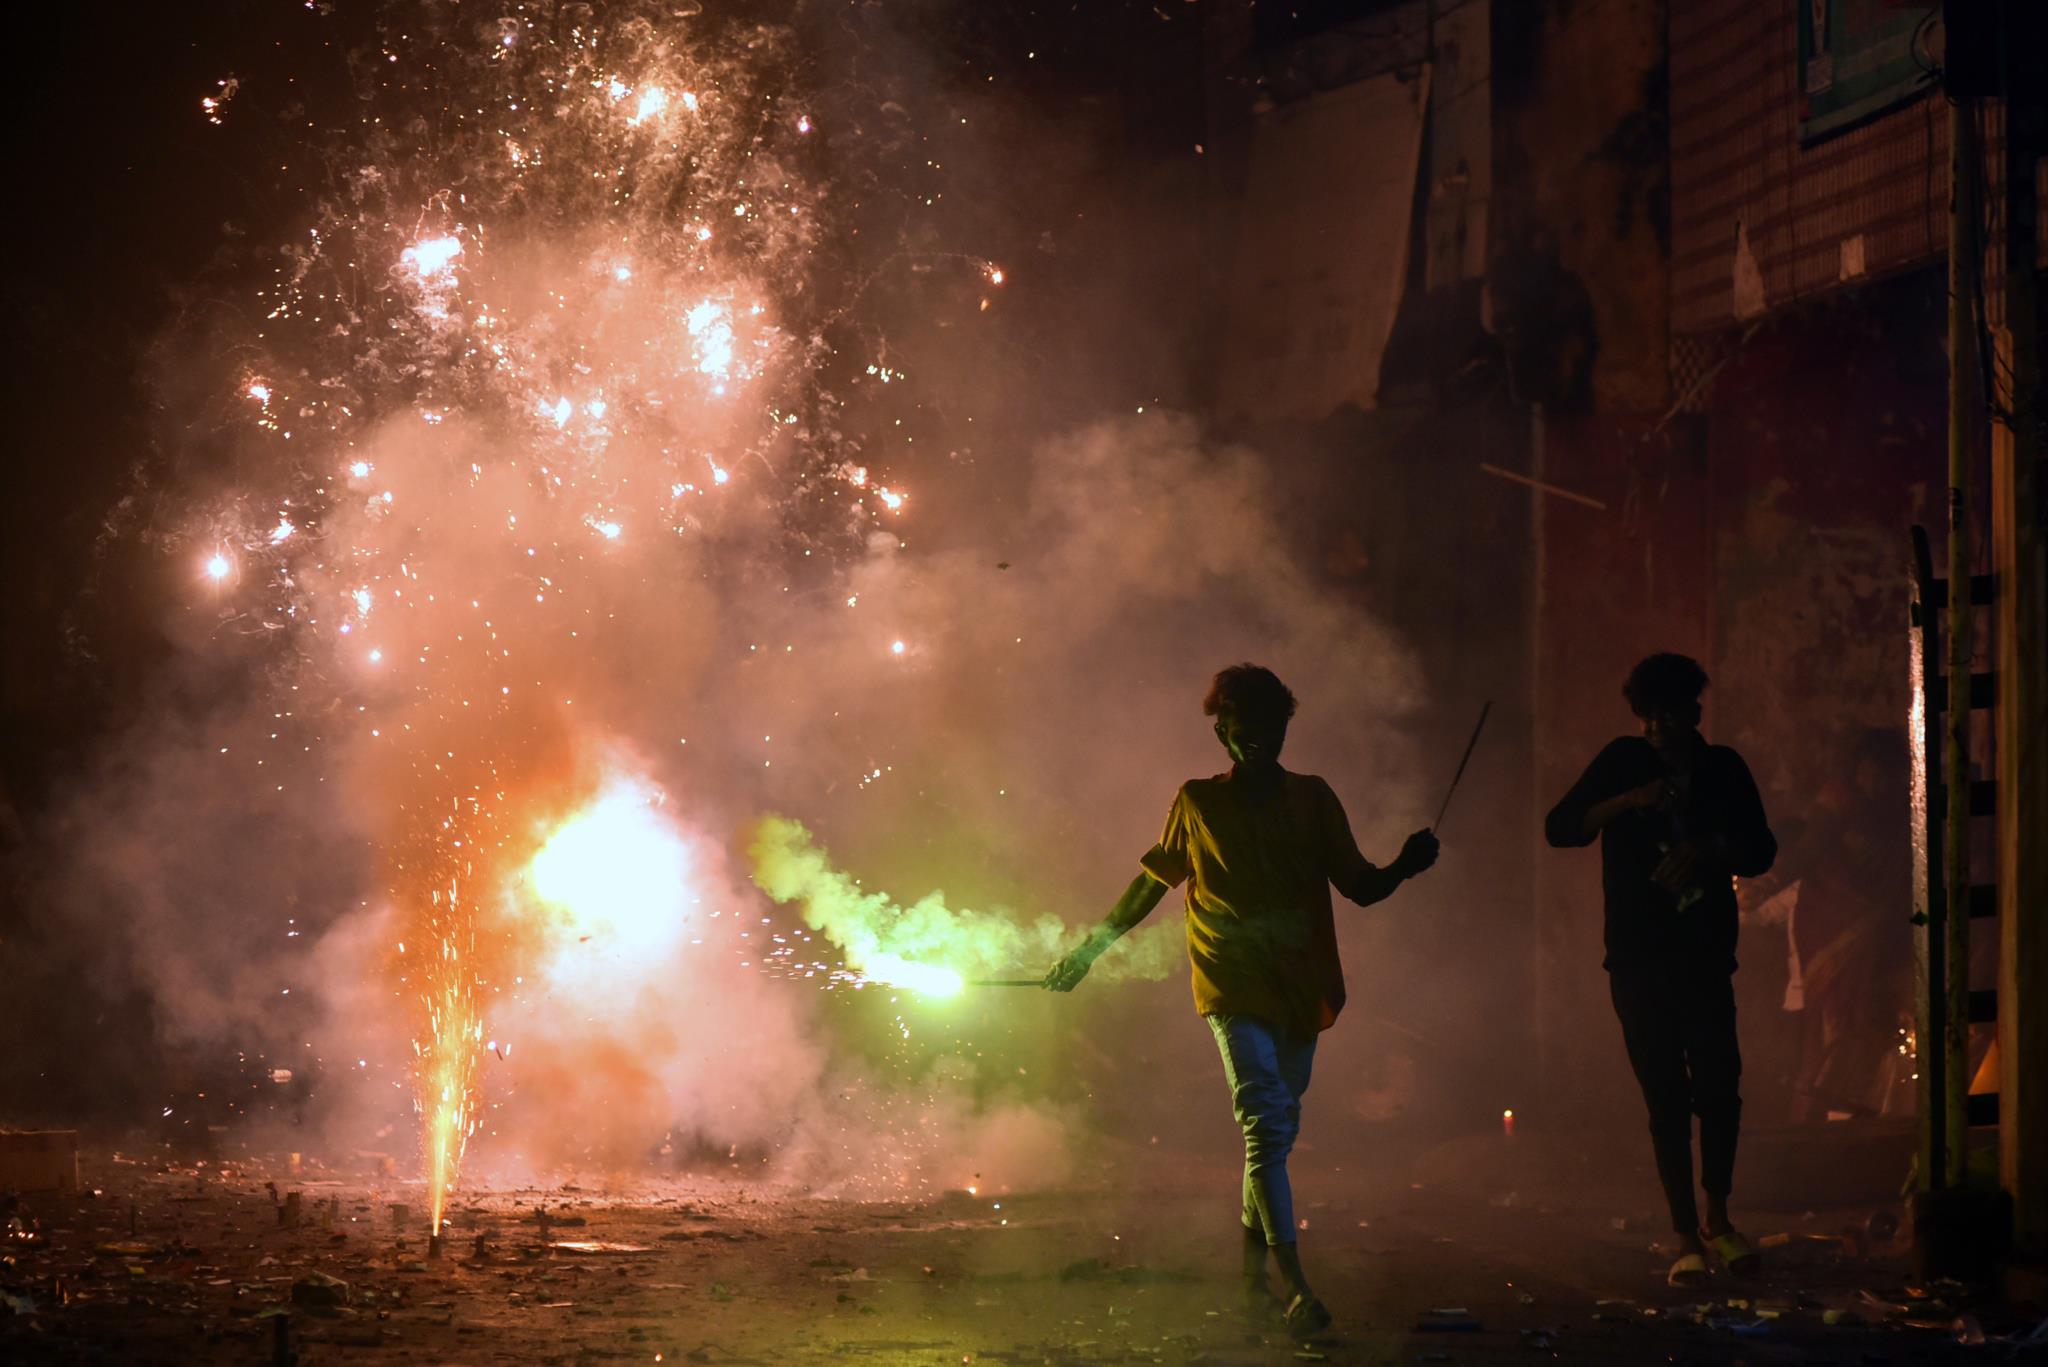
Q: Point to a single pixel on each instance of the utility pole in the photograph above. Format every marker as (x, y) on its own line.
(1996, 60)
(1963, 267)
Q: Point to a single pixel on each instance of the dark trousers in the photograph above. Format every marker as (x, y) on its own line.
(1679, 1025)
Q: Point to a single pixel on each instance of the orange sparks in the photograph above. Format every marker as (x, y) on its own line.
(449, 1044)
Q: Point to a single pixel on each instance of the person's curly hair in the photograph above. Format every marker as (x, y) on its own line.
(1252, 692)
(1664, 680)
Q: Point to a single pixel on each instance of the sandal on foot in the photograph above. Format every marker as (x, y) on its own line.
(1736, 1253)
(1306, 1316)
(1689, 1270)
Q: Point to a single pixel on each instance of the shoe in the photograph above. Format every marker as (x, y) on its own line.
(1306, 1317)
(1737, 1253)
(1689, 1270)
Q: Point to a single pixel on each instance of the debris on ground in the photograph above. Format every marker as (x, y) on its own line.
(178, 1264)
(588, 1246)
(317, 1290)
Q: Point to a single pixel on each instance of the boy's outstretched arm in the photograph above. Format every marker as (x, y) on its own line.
(1358, 878)
(1365, 883)
(1144, 893)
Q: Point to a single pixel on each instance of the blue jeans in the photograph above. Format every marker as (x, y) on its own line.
(1267, 1070)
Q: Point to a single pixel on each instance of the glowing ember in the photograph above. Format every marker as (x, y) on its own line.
(711, 331)
(212, 105)
(652, 101)
(434, 258)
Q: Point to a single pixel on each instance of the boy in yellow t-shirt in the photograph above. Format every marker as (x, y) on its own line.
(1259, 849)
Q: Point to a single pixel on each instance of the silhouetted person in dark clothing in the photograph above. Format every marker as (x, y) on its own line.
(1259, 849)
(1677, 820)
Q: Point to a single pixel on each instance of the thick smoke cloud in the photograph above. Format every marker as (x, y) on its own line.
(991, 693)
(1027, 740)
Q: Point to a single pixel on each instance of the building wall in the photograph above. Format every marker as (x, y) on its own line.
(1577, 293)
(1759, 221)
(1758, 521)
(1767, 537)
(1825, 438)
(1580, 211)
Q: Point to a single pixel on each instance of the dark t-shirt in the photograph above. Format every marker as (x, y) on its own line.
(1644, 923)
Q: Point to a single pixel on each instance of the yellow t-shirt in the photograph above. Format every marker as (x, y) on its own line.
(1259, 866)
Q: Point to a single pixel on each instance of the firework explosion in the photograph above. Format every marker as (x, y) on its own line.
(568, 530)
(552, 335)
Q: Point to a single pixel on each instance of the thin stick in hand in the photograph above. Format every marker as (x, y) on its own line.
(1437, 825)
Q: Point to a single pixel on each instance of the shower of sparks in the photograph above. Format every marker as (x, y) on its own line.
(445, 1086)
(513, 330)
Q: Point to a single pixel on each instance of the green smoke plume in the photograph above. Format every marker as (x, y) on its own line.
(929, 946)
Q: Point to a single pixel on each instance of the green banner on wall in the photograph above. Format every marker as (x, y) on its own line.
(1858, 58)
